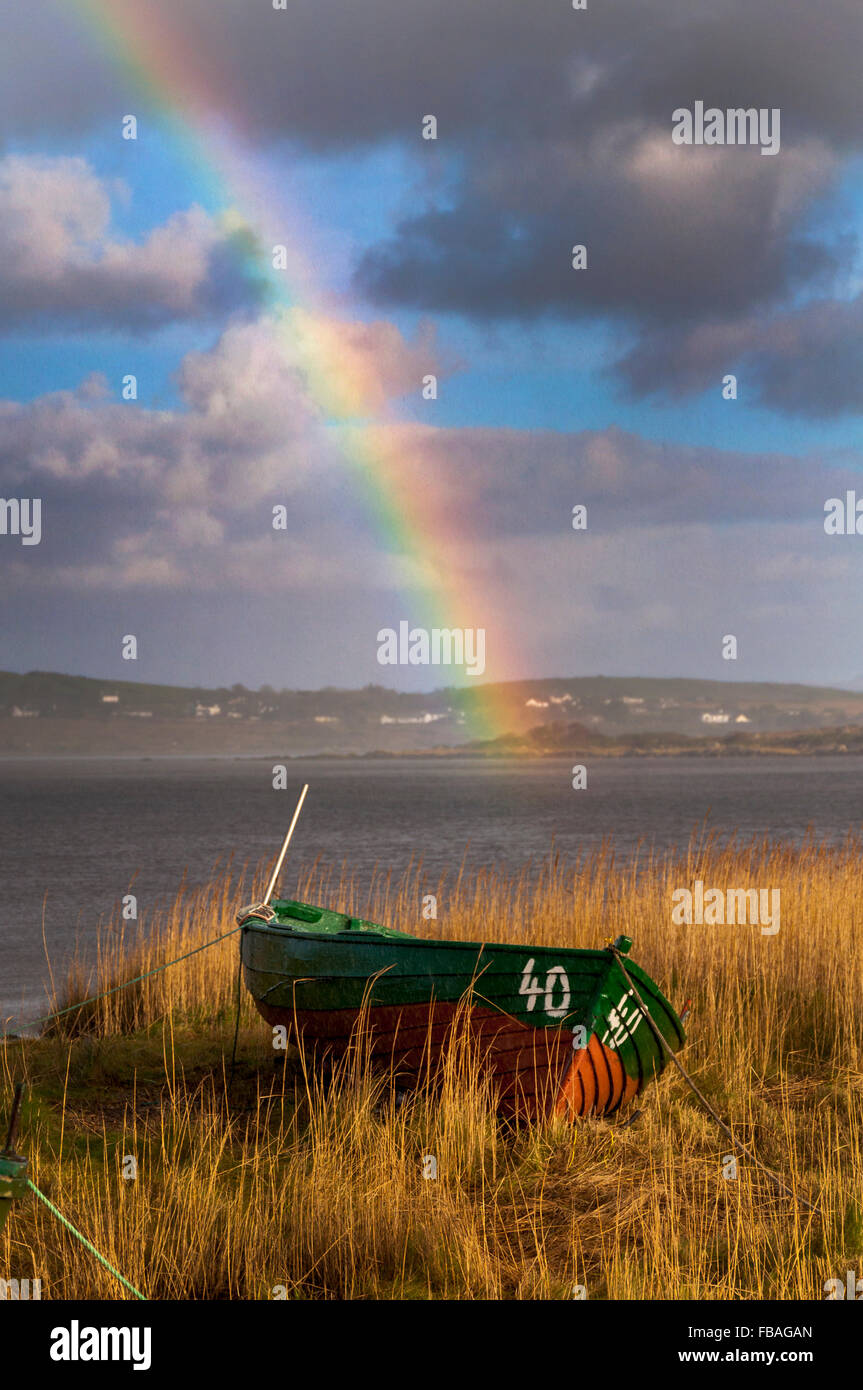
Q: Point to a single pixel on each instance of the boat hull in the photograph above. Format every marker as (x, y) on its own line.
(559, 1028)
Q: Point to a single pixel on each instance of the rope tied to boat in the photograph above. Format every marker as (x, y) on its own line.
(85, 1242)
(14, 1182)
(738, 1144)
(10, 1187)
(261, 910)
(94, 998)
(256, 912)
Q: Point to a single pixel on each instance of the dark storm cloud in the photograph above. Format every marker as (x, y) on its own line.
(806, 362)
(54, 73)
(338, 73)
(676, 237)
(669, 233)
(812, 364)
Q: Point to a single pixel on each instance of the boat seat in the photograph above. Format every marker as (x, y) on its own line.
(305, 915)
(321, 919)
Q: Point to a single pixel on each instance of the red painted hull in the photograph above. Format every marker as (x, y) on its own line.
(536, 1070)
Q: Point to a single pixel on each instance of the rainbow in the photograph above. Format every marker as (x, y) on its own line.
(418, 520)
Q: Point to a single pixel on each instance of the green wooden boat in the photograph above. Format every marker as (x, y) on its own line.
(561, 1028)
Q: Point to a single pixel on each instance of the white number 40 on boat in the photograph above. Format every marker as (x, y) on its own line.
(556, 978)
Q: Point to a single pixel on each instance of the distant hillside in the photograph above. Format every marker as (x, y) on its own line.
(578, 741)
(44, 712)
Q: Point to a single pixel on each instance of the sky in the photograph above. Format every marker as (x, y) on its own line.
(300, 385)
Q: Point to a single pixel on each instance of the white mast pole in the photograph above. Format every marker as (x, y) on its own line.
(284, 850)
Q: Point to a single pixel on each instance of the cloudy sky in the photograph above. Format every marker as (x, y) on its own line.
(302, 387)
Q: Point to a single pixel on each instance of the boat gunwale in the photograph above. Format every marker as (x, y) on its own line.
(369, 938)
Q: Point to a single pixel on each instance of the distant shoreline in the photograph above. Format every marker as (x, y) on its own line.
(186, 741)
(54, 715)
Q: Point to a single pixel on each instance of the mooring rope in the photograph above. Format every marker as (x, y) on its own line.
(738, 1144)
(137, 978)
(71, 1009)
(85, 1242)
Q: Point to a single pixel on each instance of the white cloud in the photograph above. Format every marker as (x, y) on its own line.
(60, 259)
(161, 498)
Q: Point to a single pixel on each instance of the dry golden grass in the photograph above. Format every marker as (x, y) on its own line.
(315, 1187)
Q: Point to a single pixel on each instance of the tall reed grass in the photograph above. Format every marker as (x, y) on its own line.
(291, 1183)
